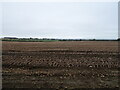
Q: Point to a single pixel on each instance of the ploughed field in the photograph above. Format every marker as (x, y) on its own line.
(60, 64)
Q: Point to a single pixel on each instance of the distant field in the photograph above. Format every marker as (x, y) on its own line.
(51, 40)
(28, 40)
(60, 65)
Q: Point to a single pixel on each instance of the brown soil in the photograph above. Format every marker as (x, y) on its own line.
(69, 64)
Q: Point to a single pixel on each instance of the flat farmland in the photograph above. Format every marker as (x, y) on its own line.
(60, 64)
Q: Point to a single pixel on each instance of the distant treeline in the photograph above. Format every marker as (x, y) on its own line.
(49, 39)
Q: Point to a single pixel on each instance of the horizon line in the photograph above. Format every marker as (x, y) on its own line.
(59, 38)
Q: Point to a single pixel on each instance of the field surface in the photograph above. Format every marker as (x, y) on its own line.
(60, 64)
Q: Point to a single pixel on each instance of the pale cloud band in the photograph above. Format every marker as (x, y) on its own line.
(59, 0)
(61, 20)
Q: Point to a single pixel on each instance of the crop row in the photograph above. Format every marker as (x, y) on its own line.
(60, 60)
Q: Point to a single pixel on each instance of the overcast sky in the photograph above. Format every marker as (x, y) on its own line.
(97, 20)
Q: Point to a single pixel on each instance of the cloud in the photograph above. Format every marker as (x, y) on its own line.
(61, 20)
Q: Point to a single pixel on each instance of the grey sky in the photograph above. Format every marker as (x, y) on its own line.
(61, 20)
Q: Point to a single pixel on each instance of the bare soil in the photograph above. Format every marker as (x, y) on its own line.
(62, 64)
